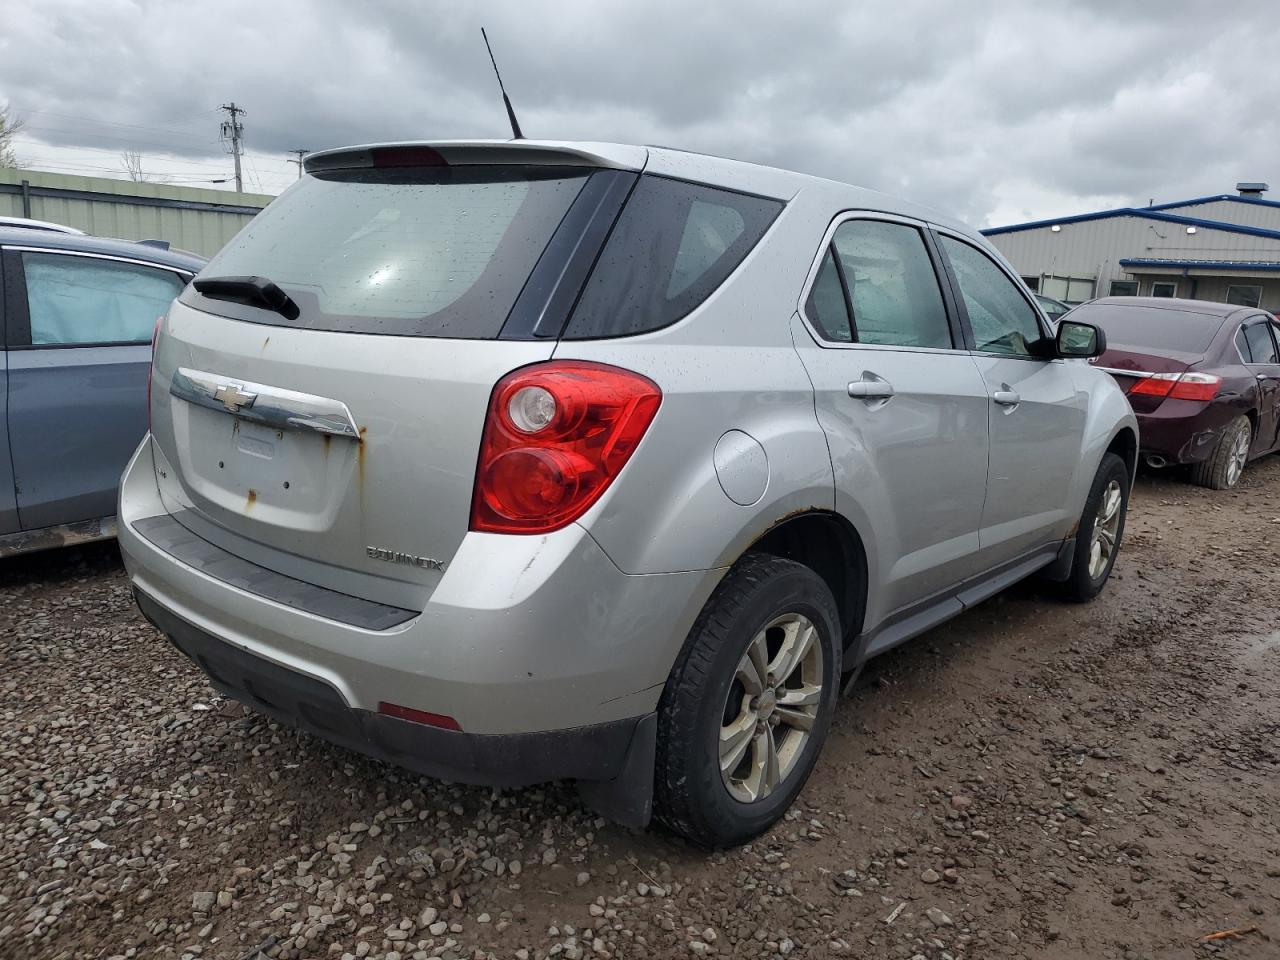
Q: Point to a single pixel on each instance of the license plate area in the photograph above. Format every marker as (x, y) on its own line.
(287, 478)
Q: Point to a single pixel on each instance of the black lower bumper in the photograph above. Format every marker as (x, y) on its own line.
(613, 762)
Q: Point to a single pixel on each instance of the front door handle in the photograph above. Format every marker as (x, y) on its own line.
(1006, 398)
(871, 387)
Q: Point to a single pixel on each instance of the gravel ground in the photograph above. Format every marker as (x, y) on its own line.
(1033, 780)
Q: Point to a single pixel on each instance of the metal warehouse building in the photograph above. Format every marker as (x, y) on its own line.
(1224, 248)
(190, 218)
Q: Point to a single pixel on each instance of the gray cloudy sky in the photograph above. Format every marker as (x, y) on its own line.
(995, 112)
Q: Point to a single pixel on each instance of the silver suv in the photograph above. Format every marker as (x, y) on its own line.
(521, 461)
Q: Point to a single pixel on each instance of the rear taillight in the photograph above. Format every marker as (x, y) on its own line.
(1178, 386)
(151, 370)
(555, 436)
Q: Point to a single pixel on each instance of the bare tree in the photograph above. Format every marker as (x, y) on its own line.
(9, 127)
(131, 160)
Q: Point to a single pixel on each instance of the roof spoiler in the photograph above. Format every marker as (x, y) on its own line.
(450, 153)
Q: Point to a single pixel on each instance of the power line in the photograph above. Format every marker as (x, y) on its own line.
(253, 172)
(124, 139)
(109, 123)
(116, 153)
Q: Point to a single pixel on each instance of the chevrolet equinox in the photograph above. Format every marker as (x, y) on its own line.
(522, 461)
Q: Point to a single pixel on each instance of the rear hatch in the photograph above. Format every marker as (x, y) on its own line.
(329, 429)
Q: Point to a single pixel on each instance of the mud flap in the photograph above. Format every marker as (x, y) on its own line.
(1060, 569)
(627, 799)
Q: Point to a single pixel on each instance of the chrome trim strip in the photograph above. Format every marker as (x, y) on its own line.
(260, 403)
(119, 258)
(1116, 371)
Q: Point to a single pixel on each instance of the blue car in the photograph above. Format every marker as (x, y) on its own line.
(76, 317)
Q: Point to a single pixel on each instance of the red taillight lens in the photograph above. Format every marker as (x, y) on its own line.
(1196, 386)
(1179, 386)
(556, 435)
(155, 334)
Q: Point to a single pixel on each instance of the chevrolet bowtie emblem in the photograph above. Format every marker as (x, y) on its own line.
(233, 398)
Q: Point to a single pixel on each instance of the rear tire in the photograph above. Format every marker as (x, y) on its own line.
(1100, 531)
(714, 708)
(1224, 467)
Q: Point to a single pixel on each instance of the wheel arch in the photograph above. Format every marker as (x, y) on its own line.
(1125, 445)
(830, 545)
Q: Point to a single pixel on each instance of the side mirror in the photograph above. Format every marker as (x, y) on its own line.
(1080, 340)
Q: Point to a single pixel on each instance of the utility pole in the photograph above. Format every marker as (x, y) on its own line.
(298, 163)
(233, 130)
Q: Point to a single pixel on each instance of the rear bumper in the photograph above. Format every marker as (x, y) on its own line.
(1186, 432)
(595, 752)
(523, 635)
(616, 757)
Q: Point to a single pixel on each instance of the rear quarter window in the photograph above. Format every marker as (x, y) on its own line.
(673, 245)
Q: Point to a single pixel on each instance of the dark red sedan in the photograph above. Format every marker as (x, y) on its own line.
(1203, 378)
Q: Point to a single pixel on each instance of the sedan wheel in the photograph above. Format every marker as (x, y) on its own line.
(1222, 469)
(1237, 457)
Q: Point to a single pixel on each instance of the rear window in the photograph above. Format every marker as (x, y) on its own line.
(672, 246)
(434, 252)
(1152, 326)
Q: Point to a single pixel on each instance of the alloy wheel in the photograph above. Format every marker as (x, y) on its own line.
(1237, 458)
(771, 707)
(1106, 529)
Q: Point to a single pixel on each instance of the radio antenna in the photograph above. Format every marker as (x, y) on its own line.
(511, 114)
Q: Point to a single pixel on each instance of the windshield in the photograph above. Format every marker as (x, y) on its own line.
(416, 252)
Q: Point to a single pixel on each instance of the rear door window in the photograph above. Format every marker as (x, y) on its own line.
(430, 251)
(673, 245)
(77, 301)
(893, 289)
(1261, 347)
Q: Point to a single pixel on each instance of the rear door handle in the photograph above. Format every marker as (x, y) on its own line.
(1006, 398)
(871, 387)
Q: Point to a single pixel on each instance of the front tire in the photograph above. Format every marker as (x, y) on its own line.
(1222, 469)
(748, 704)
(1100, 531)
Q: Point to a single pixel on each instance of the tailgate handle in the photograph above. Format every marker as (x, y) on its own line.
(260, 403)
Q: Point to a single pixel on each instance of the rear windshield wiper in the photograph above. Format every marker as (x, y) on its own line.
(253, 291)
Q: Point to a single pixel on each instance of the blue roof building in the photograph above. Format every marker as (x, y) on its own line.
(1224, 247)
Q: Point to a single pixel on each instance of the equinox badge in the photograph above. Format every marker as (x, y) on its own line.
(409, 559)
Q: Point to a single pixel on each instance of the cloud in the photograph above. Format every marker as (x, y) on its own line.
(988, 110)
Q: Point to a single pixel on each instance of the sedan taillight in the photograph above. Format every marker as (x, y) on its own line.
(556, 435)
(1178, 386)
